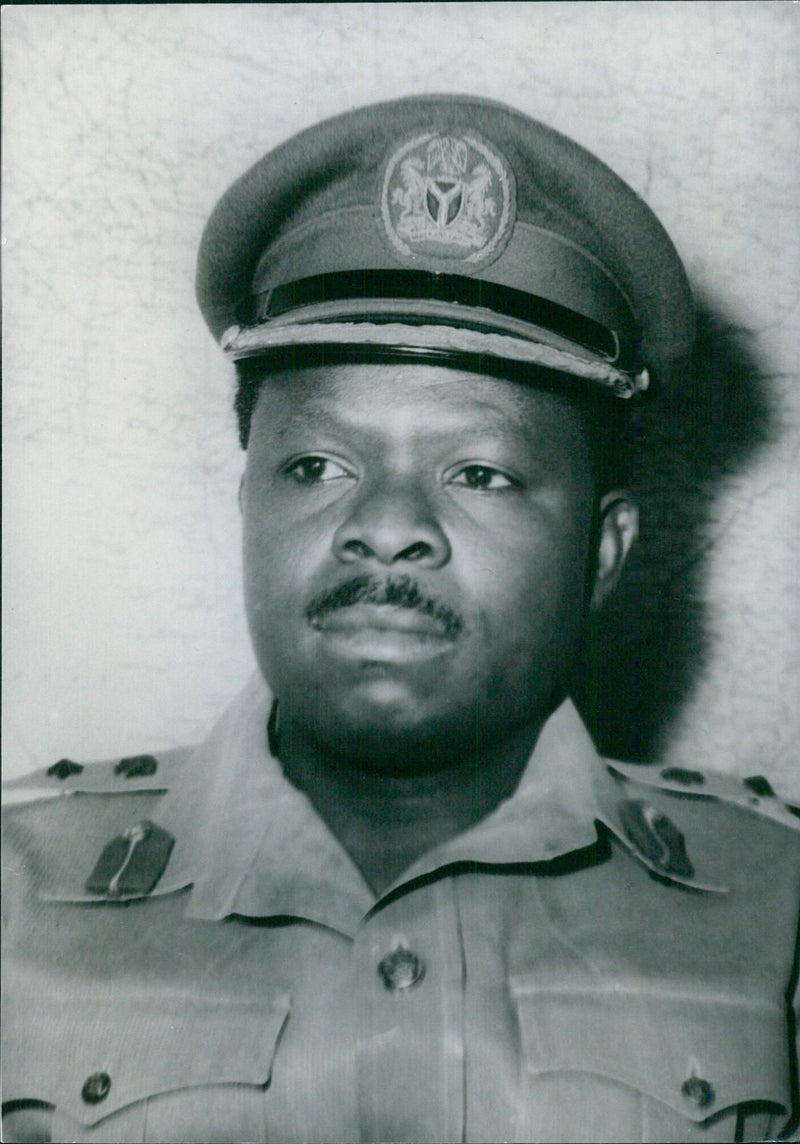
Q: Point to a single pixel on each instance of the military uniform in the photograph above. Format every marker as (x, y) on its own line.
(191, 955)
(593, 961)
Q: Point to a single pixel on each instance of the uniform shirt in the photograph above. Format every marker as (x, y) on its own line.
(605, 957)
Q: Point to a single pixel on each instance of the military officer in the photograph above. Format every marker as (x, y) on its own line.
(396, 894)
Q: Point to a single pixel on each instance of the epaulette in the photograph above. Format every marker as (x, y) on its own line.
(686, 826)
(133, 773)
(90, 844)
(753, 793)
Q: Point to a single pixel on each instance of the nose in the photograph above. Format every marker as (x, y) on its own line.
(392, 523)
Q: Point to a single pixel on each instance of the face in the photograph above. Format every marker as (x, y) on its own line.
(416, 553)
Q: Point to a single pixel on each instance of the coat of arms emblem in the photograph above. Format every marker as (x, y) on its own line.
(448, 198)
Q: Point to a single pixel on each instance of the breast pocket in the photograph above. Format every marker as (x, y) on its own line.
(617, 1063)
(155, 1067)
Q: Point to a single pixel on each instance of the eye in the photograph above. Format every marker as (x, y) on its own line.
(313, 470)
(482, 478)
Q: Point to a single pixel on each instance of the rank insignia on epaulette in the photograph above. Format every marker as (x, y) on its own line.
(132, 863)
(655, 837)
(64, 768)
(683, 776)
(137, 766)
(759, 785)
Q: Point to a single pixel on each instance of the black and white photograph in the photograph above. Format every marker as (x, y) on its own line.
(401, 532)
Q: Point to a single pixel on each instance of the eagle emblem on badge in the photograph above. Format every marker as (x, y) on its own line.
(447, 198)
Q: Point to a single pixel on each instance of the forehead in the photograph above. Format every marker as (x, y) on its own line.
(423, 401)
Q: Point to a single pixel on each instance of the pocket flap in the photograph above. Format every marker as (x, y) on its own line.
(696, 1055)
(93, 1067)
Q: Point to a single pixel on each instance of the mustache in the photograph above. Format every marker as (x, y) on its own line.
(394, 592)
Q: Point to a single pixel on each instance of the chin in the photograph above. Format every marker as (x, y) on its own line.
(384, 731)
(398, 719)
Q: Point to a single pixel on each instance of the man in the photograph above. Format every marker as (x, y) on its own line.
(396, 895)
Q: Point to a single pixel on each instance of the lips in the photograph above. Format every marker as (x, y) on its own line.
(383, 634)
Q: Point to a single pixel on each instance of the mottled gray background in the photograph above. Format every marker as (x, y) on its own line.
(123, 623)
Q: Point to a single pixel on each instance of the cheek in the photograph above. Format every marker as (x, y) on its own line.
(275, 563)
(276, 551)
(529, 595)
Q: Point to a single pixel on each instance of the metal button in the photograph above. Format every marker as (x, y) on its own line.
(401, 969)
(698, 1091)
(96, 1087)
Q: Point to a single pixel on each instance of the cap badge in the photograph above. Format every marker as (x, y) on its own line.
(447, 199)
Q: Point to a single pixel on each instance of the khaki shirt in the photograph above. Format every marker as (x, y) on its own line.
(605, 957)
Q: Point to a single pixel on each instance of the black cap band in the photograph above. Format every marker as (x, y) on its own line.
(375, 287)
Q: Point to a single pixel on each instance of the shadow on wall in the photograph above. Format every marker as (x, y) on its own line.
(649, 646)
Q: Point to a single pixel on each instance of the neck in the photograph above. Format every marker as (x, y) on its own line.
(386, 819)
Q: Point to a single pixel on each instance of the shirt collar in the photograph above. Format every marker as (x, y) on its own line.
(247, 840)
(236, 820)
(250, 843)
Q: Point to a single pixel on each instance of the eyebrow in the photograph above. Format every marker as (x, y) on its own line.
(497, 425)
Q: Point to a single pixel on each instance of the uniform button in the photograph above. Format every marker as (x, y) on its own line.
(96, 1088)
(698, 1091)
(401, 969)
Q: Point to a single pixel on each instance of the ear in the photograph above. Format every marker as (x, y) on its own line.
(617, 529)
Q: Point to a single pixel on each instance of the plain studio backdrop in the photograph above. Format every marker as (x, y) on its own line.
(124, 628)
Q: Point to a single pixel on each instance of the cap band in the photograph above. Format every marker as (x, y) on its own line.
(537, 262)
(375, 295)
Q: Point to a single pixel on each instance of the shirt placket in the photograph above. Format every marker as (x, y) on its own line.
(409, 991)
